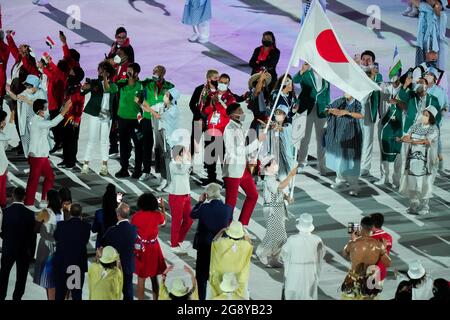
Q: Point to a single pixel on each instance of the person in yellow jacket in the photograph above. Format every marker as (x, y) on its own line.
(178, 290)
(229, 285)
(231, 251)
(105, 276)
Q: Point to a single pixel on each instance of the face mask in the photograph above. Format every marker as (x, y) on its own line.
(46, 114)
(155, 77)
(425, 119)
(222, 87)
(419, 88)
(365, 68)
(275, 168)
(214, 83)
(117, 59)
(279, 118)
(431, 64)
(240, 117)
(267, 43)
(347, 96)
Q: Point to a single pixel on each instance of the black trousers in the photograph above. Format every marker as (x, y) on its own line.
(70, 144)
(202, 269)
(147, 140)
(58, 130)
(127, 289)
(22, 261)
(114, 132)
(214, 150)
(129, 130)
(61, 289)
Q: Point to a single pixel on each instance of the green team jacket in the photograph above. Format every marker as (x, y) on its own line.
(153, 98)
(412, 102)
(95, 102)
(128, 108)
(309, 96)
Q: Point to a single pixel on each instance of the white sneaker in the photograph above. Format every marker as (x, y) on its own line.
(203, 40)
(407, 10)
(337, 185)
(27, 170)
(178, 250)
(85, 169)
(185, 245)
(353, 193)
(381, 182)
(162, 185)
(103, 171)
(194, 37)
(423, 212)
(414, 12)
(114, 156)
(144, 177)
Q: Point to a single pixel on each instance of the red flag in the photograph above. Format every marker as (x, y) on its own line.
(50, 42)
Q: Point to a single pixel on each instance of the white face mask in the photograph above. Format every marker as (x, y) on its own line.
(117, 59)
(222, 87)
(46, 114)
(365, 68)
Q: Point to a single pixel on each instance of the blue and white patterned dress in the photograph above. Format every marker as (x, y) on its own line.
(196, 12)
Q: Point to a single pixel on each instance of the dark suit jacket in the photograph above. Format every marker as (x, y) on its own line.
(17, 231)
(72, 237)
(212, 217)
(193, 103)
(270, 63)
(122, 237)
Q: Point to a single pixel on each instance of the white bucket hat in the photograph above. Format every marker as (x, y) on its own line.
(416, 270)
(432, 110)
(305, 223)
(109, 255)
(229, 282)
(179, 288)
(235, 230)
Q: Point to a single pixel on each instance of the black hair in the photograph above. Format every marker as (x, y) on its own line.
(401, 294)
(187, 296)
(280, 79)
(135, 66)
(109, 206)
(3, 115)
(177, 151)
(63, 66)
(19, 194)
(417, 282)
(366, 223)
(368, 53)
(441, 289)
(232, 108)
(120, 30)
(65, 194)
(74, 54)
(422, 78)
(111, 265)
(107, 67)
(53, 200)
(75, 210)
(270, 33)
(78, 74)
(38, 105)
(377, 219)
(432, 119)
(147, 202)
(226, 76)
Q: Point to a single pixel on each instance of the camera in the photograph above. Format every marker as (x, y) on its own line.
(352, 227)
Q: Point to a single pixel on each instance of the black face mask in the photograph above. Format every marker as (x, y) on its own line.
(267, 43)
(431, 64)
(72, 81)
(215, 83)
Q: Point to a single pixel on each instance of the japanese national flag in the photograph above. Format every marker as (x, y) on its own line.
(318, 45)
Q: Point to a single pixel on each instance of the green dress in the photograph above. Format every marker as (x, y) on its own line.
(390, 130)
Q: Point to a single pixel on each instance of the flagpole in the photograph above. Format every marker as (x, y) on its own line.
(282, 83)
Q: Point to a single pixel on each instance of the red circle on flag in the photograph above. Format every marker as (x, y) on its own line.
(328, 47)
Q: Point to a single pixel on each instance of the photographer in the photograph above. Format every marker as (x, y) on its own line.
(97, 114)
(364, 253)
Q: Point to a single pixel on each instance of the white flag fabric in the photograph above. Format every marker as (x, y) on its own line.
(318, 45)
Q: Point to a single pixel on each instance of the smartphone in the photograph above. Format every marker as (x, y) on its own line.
(350, 227)
(376, 65)
(119, 197)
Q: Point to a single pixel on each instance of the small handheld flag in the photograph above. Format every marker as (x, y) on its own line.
(50, 42)
(396, 66)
